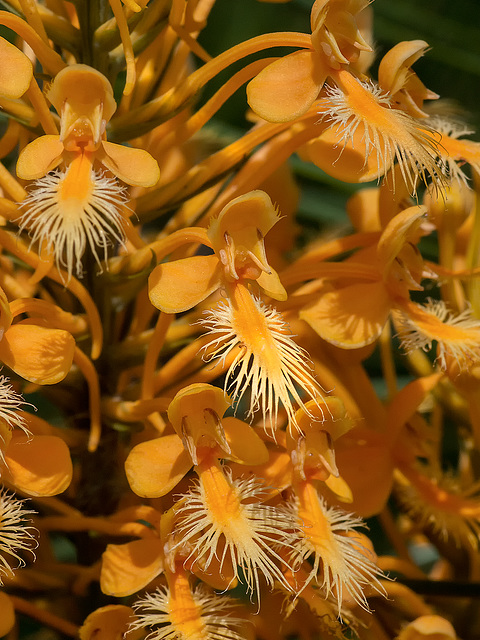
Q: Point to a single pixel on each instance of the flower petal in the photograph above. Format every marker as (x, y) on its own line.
(351, 317)
(270, 283)
(7, 619)
(156, 466)
(39, 466)
(288, 87)
(16, 71)
(177, 286)
(366, 466)
(108, 623)
(246, 446)
(347, 160)
(126, 568)
(134, 166)
(39, 157)
(38, 354)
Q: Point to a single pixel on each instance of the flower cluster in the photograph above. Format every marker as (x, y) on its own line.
(193, 426)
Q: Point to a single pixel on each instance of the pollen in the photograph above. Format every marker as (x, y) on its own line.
(268, 361)
(67, 211)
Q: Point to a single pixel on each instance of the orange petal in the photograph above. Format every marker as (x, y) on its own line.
(39, 466)
(404, 228)
(428, 627)
(134, 166)
(350, 317)
(288, 87)
(109, 623)
(16, 71)
(363, 210)
(126, 568)
(37, 354)
(366, 466)
(394, 69)
(155, 467)
(7, 619)
(270, 283)
(407, 401)
(348, 160)
(246, 446)
(178, 286)
(39, 157)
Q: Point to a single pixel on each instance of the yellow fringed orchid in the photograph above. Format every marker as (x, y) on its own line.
(343, 565)
(335, 41)
(155, 467)
(237, 237)
(80, 205)
(353, 315)
(269, 358)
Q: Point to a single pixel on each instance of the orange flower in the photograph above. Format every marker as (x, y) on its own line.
(253, 334)
(237, 237)
(68, 209)
(288, 87)
(376, 283)
(218, 512)
(155, 467)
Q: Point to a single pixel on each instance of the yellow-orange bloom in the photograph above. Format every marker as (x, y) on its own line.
(68, 210)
